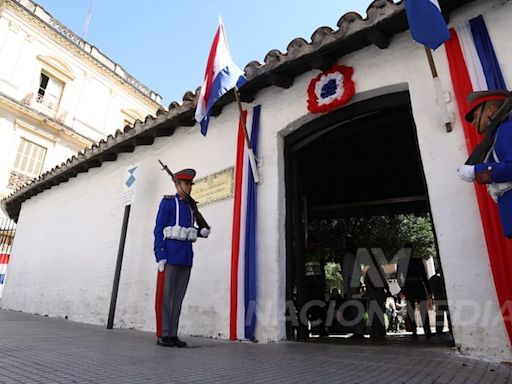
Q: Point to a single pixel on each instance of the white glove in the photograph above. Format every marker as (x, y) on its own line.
(161, 265)
(205, 232)
(467, 172)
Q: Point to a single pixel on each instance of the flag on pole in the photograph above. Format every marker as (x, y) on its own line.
(426, 22)
(475, 67)
(221, 75)
(243, 245)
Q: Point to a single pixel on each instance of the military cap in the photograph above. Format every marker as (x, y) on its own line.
(187, 174)
(475, 99)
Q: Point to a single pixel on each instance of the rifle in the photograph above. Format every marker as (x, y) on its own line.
(201, 222)
(482, 149)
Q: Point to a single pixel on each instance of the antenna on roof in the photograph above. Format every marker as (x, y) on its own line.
(88, 19)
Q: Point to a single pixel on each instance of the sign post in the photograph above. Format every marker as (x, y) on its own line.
(128, 195)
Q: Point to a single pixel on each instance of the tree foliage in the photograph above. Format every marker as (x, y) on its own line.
(391, 233)
(333, 278)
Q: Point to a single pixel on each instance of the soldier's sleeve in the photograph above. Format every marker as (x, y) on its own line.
(163, 219)
(499, 172)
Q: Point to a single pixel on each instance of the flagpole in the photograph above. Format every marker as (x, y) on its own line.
(252, 158)
(439, 90)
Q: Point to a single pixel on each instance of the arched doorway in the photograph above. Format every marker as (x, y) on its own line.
(360, 162)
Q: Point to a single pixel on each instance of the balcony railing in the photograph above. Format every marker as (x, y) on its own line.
(44, 106)
(16, 180)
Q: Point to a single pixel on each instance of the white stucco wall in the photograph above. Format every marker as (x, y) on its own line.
(66, 246)
(478, 323)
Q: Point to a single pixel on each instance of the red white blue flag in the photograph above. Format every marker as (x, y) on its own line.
(243, 246)
(221, 75)
(4, 261)
(426, 22)
(474, 67)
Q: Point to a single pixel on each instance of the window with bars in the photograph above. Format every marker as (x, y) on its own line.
(30, 158)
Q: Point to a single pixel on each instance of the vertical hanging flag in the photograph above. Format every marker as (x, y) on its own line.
(221, 75)
(426, 22)
(4, 260)
(243, 246)
(474, 67)
(478, 58)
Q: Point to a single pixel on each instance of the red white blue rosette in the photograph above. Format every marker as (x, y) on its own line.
(331, 89)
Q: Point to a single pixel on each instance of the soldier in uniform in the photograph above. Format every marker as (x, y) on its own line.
(174, 234)
(496, 170)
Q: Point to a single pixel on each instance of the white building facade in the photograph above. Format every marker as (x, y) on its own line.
(70, 272)
(58, 94)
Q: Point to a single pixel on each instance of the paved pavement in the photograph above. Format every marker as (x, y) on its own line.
(36, 349)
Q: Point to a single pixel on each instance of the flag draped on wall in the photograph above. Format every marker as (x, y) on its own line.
(221, 75)
(243, 246)
(4, 260)
(474, 67)
(426, 22)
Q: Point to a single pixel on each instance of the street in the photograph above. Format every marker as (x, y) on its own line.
(37, 349)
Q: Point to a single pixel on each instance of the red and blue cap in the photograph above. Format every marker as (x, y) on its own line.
(476, 99)
(187, 174)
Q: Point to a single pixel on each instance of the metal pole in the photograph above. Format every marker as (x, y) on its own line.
(3, 233)
(117, 274)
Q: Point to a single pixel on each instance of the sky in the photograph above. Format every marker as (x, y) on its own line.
(165, 43)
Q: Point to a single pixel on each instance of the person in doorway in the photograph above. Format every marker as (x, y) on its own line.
(352, 292)
(377, 292)
(496, 170)
(401, 311)
(417, 291)
(392, 314)
(174, 234)
(315, 288)
(335, 298)
(333, 306)
(440, 300)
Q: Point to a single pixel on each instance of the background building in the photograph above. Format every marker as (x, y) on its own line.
(58, 94)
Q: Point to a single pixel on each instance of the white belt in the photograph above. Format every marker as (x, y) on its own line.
(176, 232)
(497, 189)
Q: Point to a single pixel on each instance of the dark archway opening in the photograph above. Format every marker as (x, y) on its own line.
(357, 164)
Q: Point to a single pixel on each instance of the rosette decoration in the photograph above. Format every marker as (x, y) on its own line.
(331, 89)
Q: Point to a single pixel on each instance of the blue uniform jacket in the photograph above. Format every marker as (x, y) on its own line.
(502, 172)
(176, 252)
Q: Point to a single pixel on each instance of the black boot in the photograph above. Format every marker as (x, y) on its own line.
(165, 341)
(177, 342)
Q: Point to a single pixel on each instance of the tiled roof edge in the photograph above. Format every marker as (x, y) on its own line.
(348, 24)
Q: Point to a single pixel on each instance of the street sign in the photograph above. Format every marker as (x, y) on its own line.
(130, 176)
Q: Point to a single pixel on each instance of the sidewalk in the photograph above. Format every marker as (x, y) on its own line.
(36, 349)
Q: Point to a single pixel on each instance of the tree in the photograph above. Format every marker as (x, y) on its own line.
(333, 277)
(390, 233)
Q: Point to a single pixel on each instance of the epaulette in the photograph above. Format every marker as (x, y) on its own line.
(168, 196)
